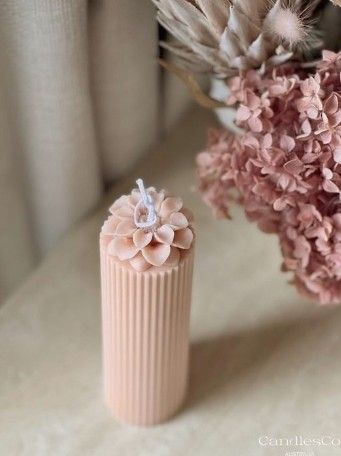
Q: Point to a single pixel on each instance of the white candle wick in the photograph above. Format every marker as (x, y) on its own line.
(146, 201)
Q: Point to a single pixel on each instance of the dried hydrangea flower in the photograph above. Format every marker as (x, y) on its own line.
(286, 167)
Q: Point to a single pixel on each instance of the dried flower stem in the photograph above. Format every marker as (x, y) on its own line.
(199, 96)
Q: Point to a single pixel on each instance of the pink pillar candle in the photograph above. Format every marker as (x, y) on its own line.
(146, 248)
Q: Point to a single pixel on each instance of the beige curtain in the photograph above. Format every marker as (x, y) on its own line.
(80, 101)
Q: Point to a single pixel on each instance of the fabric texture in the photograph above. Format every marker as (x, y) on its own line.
(80, 102)
(124, 72)
(263, 363)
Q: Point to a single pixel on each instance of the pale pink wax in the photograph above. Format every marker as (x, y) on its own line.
(145, 325)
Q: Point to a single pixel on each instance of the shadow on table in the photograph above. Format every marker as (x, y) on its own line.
(231, 361)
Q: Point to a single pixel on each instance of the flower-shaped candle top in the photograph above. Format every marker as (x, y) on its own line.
(148, 228)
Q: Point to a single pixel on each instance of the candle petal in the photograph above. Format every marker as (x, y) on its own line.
(134, 197)
(183, 238)
(169, 205)
(157, 197)
(120, 202)
(164, 234)
(188, 214)
(177, 220)
(125, 212)
(109, 226)
(139, 263)
(125, 228)
(123, 248)
(174, 257)
(156, 254)
(142, 238)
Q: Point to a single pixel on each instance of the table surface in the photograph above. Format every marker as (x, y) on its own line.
(264, 362)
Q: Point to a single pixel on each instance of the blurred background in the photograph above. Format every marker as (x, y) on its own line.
(82, 98)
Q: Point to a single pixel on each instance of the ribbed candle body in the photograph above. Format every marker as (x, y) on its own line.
(145, 322)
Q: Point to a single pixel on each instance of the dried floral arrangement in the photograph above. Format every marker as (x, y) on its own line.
(285, 167)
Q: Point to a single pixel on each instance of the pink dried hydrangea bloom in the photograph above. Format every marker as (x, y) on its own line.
(286, 167)
(311, 246)
(160, 244)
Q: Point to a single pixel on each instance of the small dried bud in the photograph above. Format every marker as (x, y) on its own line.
(287, 25)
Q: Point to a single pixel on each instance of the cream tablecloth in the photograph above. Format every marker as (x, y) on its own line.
(264, 363)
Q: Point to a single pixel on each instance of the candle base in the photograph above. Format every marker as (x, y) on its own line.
(145, 318)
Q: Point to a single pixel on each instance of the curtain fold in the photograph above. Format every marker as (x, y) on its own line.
(48, 89)
(17, 254)
(80, 103)
(44, 52)
(125, 76)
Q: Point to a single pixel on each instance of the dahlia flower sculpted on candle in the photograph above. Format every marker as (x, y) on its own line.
(286, 167)
(144, 246)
